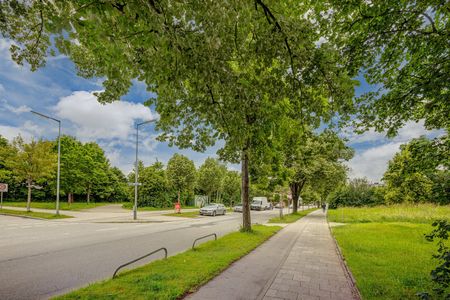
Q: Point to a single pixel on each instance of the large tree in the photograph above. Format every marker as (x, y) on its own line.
(210, 177)
(181, 174)
(403, 49)
(221, 70)
(33, 162)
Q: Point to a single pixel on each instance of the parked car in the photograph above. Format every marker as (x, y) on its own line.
(260, 203)
(238, 207)
(213, 209)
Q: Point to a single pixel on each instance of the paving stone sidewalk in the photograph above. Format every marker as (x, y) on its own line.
(300, 262)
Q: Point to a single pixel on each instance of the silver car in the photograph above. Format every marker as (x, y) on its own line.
(213, 209)
(238, 207)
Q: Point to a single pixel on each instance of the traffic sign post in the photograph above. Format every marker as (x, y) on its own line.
(3, 189)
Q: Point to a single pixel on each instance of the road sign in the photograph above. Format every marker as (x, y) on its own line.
(3, 187)
(134, 184)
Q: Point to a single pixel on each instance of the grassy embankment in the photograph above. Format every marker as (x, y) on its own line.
(179, 274)
(385, 248)
(32, 214)
(52, 205)
(291, 218)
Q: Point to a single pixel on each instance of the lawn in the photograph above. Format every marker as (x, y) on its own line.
(386, 250)
(423, 213)
(179, 274)
(33, 214)
(291, 218)
(52, 205)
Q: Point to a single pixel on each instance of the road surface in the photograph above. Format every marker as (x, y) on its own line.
(40, 258)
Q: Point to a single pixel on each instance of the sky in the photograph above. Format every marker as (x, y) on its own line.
(56, 90)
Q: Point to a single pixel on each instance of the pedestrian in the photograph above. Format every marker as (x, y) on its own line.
(324, 206)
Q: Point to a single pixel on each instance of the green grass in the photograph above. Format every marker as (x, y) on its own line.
(186, 214)
(423, 213)
(291, 218)
(52, 205)
(33, 214)
(179, 274)
(385, 248)
(388, 260)
(129, 205)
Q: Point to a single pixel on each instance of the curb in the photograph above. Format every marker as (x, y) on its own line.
(24, 217)
(348, 273)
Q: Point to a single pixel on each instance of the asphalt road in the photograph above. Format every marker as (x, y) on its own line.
(40, 259)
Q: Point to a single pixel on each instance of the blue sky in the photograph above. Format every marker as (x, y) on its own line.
(57, 90)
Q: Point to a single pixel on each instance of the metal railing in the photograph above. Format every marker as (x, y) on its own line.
(135, 260)
(212, 234)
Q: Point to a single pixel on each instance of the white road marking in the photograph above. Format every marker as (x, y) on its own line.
(107, 229)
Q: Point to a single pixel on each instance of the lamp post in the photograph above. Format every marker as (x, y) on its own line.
(136, 170)
(59, 156)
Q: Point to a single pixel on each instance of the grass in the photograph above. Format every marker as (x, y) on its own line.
(52, 205)
(386, 250)
(179, 274)
(129, 205)
(388, 260)
(291, 218)
(186, 214)
(423, 213)
(32, 214)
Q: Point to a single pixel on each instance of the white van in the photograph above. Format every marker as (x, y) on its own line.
(260, 203)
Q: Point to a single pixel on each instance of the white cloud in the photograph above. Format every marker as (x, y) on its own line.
(372, 162)
(28, 131)
(101, 121)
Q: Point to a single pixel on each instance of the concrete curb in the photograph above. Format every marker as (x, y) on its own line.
(348, 273)
(24, 217)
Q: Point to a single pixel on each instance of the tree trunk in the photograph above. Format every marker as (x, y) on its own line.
(296, 189)
(179, 196)
(88, 194)
(246, 221)
(295, 194)
(29, 196)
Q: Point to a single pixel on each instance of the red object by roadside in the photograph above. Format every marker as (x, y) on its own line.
(177, 207)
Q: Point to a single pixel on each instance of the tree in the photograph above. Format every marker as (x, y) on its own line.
(418, 172)
(221, 70)
(314, 159)
(118, 181)
(155, 190)
(94, 167)
(210, 176)
(33, 163)
(356, 192)
(181, 174)
(402, 47)
(72, 167)
(232, 187)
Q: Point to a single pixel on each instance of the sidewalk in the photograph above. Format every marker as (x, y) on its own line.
(300, 262)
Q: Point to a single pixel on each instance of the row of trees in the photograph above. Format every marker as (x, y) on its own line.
(419, 172)
(85, 170)
(180, 181)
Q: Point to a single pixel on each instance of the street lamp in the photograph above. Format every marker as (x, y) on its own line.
(137, 169)
(59, 156)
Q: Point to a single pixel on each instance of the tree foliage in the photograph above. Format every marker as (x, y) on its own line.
(420, 172)
(357, 192)
(33, 163)
(403, 48)
(181, 175)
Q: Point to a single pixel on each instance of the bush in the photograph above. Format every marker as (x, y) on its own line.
(357, 192)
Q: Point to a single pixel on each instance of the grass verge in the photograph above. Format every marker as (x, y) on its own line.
(388, 260)
(423, 213)
(385, 248)
(32, 214)
(129, 205)
(179, 274)
(52, 205)
(291, 218)
(186, 214)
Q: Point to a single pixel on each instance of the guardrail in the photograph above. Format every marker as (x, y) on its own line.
(135, 260)
(212, 234)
